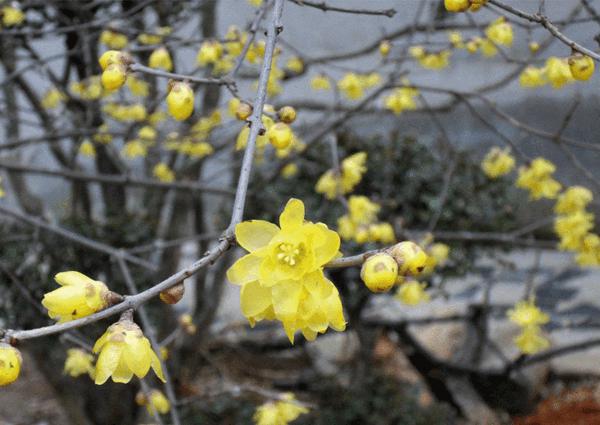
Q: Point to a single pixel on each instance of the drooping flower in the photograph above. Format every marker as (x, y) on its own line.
(497, 163)
(78, 362)
(412, 293)
(78, 296)
(124, 351)
(573, 199)
(537, 178)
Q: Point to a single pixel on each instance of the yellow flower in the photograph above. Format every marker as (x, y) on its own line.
(572, 228)
(412, 293)
(87, 149)
(138, 87)
(401, 99)
(351, 86)
(210, 52)
(78, 296)
(384, 48)
(435, 61)
(582, 67)
(456, 39)
(113, 39)
(487, 47)
(157, 402)
(11, 16)
(282, 253)
(114, 76)
(456, 5)
(362, 210)
(379, 272)
(10, 364)
(289, 171)
(534, 46)
(180, 101)
(558, 72)
(103, 135)
(113, 57)
(588, 253)
(537, 178)
(497, 163)
(526, 313)
(500, 32)
(532, 77)
(78, 362)
(280, 412)
(261, 141)
(320, 82)
(280, 135)
(124, 351)
(295, 64)
(160, 59)
(147, 133)
(531, 340)
(382, 232)
(437, 254)
(134, 149)
(573, 199)
(163, 173)
(255, 3)
(53, 98)
(256, 51)
(332, 184)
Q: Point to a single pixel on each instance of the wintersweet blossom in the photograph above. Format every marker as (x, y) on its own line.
(531, 340)
(279, 412)
(333, 183)
(78, 362)
(10, 364)
(412, 293)
(498, 162)
(537, 178)
(573, 199)
(526, 313)
(124, 351)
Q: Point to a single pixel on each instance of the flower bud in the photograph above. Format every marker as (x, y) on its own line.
(243, 111)
(114, 76)
(457, 5)
(410, 257)
(112, 56)
(384, 48)
(180, 100)
(173, 295)
(287, 114)
(10, 364)
(379, 272)
(280, 135)
(582, 66)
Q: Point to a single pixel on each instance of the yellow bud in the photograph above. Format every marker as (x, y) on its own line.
(114, 76)
(140, 398)
(287, 114)
(410, 257)
(160, 59)
(113, 56)
(280, 135)
(384, 48)
(534, 46)
(456, 5)
(582, 66)
(243, 111)
(180, 101)
(173, 295)
(379, 272)
(10, 364)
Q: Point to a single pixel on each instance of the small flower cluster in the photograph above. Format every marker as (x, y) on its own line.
(353, 85)
(280, 412)
(530, 318)
(537, 179)
(431, 60)
(558, 72)
(401, 99)
(497, 33)
(573, 224)
(339, 182)
(498, 162)
(155, 401)
(360, 224)
(282, 277)
(463, 5)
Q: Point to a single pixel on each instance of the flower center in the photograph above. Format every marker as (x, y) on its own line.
(288, 253)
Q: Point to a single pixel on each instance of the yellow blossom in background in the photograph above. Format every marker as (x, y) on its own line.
(52, 98)
(280, 412)
(456, 40)
(11, 16)
(360, 223)
(103, 135)
(384, 48)
(235, 40)
(588, 252)
(89, 89)
(412, 293)
(255, 3)
(147, 133)
(157, 117)
(498, 162)
(581, 66)
(164, 353)
(362, 210)
(500, 32)
(134, 149)
(411, 258)
(320, 82)
(156, 37)
(10, 364)
(351, 86)
(137, 86)
(295, 64)
(526, 313)
(256, 52)
(126, 113)
(534, 46)
(161, 59)
(573, 199)
(531, 340)
(261, 141)
(572, 228)
(187, 323)
(456, 5)
(533, 77)
(124, 351)
(435, 61)
(487, 47)
(401, 99)
(113, 39)
(210, 52)
(163, 173)
(558, 72)
(87, 149)
(331, 184)
(157, 402)
(537, 179)
(437, 255)
(78, 362)
(289, 171)
(78, 296)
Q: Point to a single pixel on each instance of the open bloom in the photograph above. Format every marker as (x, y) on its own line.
(280, 412)
(333, 183)
(78, 296)
(573, 199)
(78, 362)
(497, 162)
(526, 313)
(531, 340)
(124, 351)
(537, 178)
(285, 252)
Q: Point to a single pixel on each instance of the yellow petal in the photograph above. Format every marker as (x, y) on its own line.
(286, 297)
(254, 299)
(107, 362)
(293, 215)
(327, 243)
(136, 355)
(72, 278)
(244, 270)
(155, 364)
(255, 234)
(122, 373)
